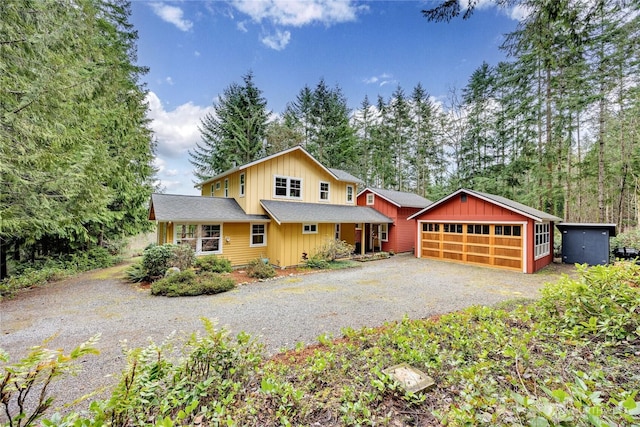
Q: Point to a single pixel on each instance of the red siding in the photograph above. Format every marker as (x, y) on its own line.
(475, 209)
(402, 233)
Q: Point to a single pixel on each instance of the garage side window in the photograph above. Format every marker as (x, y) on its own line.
(542, 247)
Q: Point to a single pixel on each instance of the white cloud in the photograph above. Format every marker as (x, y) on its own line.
(382, 80)
(176, 130)
(169, 80)
(519, 12)
(196, 53)
(242, 26)
(299, 13)
(172, 15)
(277, 41)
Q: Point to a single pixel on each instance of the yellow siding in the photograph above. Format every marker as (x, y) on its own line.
(260, 182)
(287, 243)
(237, 249)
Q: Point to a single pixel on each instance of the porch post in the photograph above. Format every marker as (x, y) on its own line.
(362, 238)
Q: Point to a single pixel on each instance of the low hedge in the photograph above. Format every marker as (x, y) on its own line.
(188, 283)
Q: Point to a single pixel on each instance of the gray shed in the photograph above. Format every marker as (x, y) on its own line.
(586, 243)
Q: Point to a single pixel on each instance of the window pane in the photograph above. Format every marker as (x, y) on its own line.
(516, 230)
(281, 186)
(210, 245)
(295, 187)
(498, 230)
(485, 229)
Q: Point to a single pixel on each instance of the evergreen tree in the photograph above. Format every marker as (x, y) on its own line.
(75, 151)
(234, 133)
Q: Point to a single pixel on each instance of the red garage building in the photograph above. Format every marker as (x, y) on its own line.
(479, 228)
(397, 205)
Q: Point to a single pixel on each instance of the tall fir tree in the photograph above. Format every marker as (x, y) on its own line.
(234, 133)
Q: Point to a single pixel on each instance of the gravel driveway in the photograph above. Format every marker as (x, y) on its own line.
(280, 313)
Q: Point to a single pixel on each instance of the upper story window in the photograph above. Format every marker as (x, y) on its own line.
(349, 193)
(242, 185)
(288, 187)
(226, 187)
(217, 185)
(324, 191)
(370, 199)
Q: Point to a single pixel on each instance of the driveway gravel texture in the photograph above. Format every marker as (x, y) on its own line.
(279, 313)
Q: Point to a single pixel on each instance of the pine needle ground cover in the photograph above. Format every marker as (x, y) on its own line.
(570, 358)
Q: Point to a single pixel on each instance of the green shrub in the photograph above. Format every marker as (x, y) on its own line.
(136, 273)
(333, 249)
(213, 264)
(260, 270)
(32, 277)
(602, 304)
(316, 262)
(187, 283)
(34, 373)
(182, 256)
(157, 259)
(628, 239)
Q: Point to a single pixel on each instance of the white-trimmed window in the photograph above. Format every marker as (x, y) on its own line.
(384, 232)
(287, 187)
(258, 235)
(349, 193)
(205, 238)
(226, 187)
(543, 245)
(212, 190)
(242, 185)
(186, 234)
(337, 232)
(309, 228)
(324, 191)
(217, 185)
(371, 198)
(210, 240)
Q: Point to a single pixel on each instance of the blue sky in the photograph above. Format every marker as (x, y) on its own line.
(195, 49)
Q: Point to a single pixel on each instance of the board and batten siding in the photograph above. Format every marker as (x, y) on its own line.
(287, 243)
(259, 182)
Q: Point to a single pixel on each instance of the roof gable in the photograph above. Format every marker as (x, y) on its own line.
(503, 202)
(337, 174)
(400, 199)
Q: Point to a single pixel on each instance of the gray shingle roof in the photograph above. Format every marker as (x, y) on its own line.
(174, 207)
(294, 212)
(525, 210)
(345, 176)
(516, 206)
(402, 199)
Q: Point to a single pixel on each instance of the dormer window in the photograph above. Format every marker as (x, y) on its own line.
(370, 199)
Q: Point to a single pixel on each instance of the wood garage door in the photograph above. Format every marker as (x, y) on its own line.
(496, 245)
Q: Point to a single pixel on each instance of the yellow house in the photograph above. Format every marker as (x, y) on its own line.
(281, 207)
